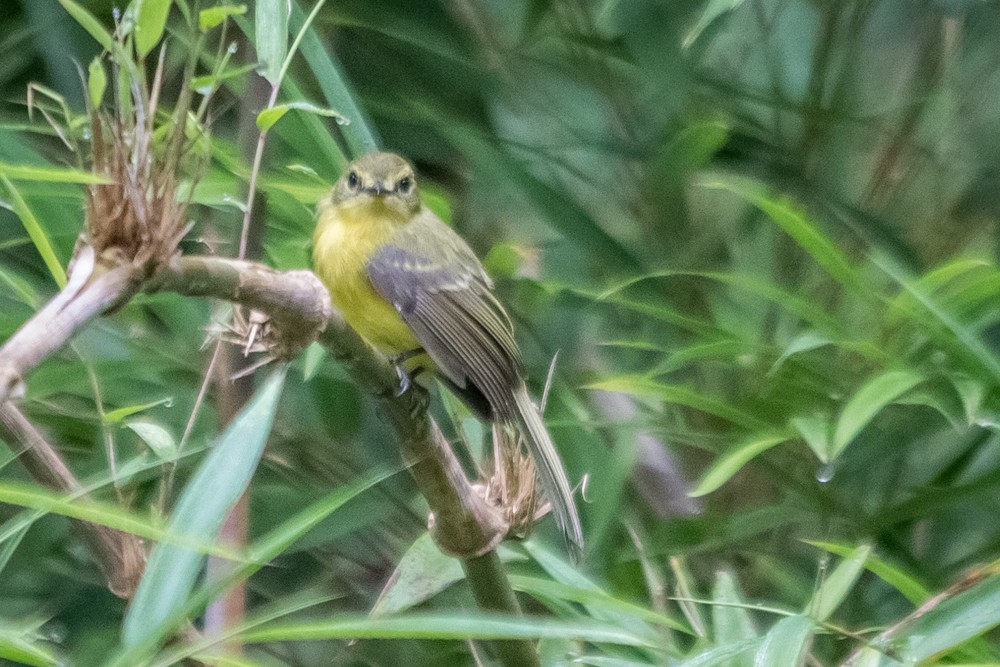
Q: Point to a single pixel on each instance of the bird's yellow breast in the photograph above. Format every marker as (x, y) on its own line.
(344, 240)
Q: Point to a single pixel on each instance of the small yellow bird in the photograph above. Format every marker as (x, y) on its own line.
(406, 282)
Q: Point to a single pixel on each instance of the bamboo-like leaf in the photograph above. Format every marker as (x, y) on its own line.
(731, 622)
(117, 415)
(796, 224)
(268, 117)
(479, 625)
(953, 622)
(260, 552)
(912, 589)
(150, 23)
(19, 172)
(217, 484)
(213, 16)
(838, 584)
(97, 82)
(786, 643)
(35, 231)
(874, 395)
(730, 463)
(271, 32)
(89, 23)
(158, 438)
(638, 385)
(22, 648)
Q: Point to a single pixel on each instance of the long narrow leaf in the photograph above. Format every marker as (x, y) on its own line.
(213, 490)
(35, 231)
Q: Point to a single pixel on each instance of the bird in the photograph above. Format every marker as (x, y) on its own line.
(415, 290)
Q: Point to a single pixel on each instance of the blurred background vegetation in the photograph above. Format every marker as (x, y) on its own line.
(761, 235)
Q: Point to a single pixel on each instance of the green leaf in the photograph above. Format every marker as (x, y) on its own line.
(724, 655)
(804, 342)
(838, 584)
(815, 430)
(730, 463)
(337, 91)
(912, 589)
(712, 12)
(211, 17)
(786, 643)
(268, 117)
(158, 438)
(642, 386)
(97, 82)
(794, 222)
(874, 395)
(953, 622)
(89, 23)
(115, 416)
(606, 606)
(731, 622)
(213, 489)
(312, 358)
(19, 172)
(207, 83)
(462, 626)
(422, 572)
(24, 648)
(35, 231)
(271, 37)
(150, 24)
(263, 551)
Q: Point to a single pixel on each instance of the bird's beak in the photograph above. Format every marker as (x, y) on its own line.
(378, 189)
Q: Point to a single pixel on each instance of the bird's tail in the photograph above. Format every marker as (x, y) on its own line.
(550, 469)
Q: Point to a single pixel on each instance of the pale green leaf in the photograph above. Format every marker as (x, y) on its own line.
(838, 584)
(150, 23)
(953, 622)
(461, 626)
(271, 37)
(815, 430)
(874, 395)
(97, 82)
(786, 643)
(117, 415)
(268, 117)
(156, 436)
(911, 589)
(89, 23)
(20, 172)
(213, 16)
(213, 489)
(730, 463)
(35, 231)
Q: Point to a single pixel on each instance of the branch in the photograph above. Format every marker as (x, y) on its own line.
(463, 523)
(92, 288)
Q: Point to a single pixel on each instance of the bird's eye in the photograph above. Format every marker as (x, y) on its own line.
(405, 184)
(352, 180)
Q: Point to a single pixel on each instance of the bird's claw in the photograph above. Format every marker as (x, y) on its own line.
(404, 380)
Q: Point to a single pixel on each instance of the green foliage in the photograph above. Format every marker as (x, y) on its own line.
(761, 234)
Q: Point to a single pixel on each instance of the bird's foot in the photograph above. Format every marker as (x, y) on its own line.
(406, 378)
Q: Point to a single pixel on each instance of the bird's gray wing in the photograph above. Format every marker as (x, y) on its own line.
(439, 288)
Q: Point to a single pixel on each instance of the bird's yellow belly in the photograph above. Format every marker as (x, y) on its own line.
(340, 252)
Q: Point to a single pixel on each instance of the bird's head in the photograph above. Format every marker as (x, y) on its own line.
(378, 179)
